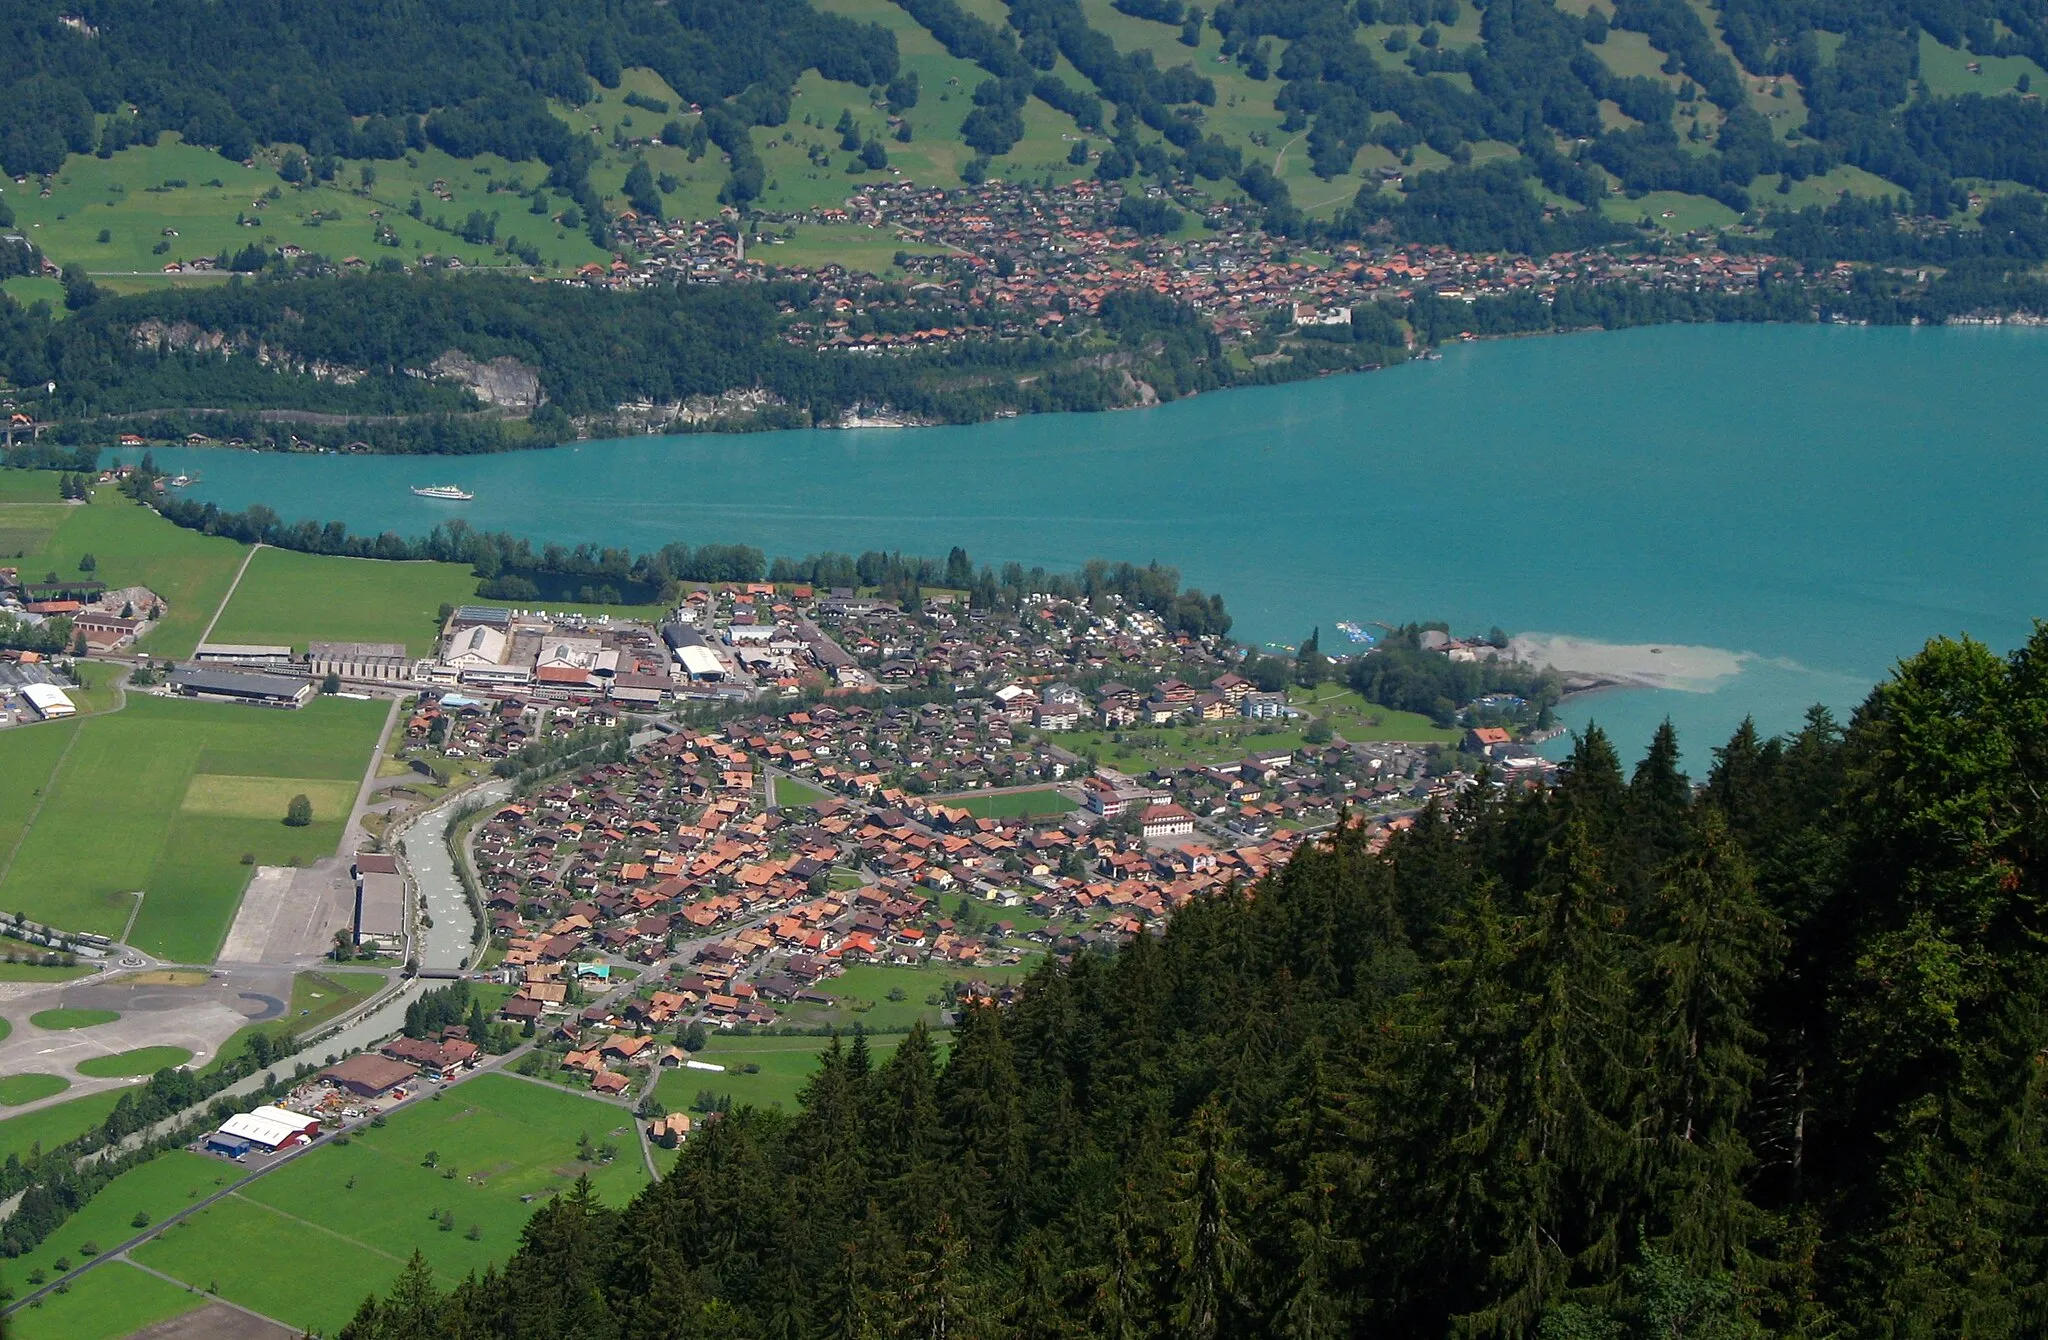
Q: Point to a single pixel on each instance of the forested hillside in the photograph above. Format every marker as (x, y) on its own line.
(1627, 1059)
(1736, 102)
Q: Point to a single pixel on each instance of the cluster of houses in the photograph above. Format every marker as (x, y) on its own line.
(101, 618)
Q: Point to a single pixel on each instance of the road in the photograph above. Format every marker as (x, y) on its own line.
(222, 608)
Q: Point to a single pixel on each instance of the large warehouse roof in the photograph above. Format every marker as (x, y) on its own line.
(700, 663)
(269, 1126)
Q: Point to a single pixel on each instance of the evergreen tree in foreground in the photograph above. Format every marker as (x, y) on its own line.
(1624, 1059)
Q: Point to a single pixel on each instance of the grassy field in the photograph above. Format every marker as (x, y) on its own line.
(52, 1126)
(118, 813)
(289, 598)
(68, 1019)
(786, 1064)
(141, 1061)
(863, 995)
(114, 1301)
(159, 1188)
(1012, 804)
(18, 1089)
(141, 196)
(789, 792)
(1945, 71)
(37, 972)
(1206, 743)
(360, 1209)
(132, 546)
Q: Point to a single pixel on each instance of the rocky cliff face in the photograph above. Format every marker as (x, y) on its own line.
(186, 338)
(504, 382)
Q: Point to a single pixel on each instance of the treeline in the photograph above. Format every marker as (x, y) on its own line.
(1626, 1058)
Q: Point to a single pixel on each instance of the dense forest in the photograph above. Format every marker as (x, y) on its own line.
(374, 80)
(1622, 1059)
(592, 351)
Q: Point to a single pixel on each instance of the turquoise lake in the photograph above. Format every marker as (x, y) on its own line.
(1818, 499)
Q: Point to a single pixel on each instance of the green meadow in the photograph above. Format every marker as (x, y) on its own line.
(360, 1209)
(157, 1189)
(290, 599)
(132, 804)
(109, 1303)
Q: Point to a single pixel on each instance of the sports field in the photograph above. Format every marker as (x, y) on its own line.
(114, 1301)
(131, 546)
(360, 1209)
(165, 798)
(1009, 804)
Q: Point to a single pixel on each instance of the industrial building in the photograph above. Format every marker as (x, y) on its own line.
(49, 701)
(239, 686)
(243, 653)
(368, 1075)
(376, 661)
(380, 900)
(268, 1128)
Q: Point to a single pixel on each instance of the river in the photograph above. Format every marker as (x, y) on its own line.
(1817, 500)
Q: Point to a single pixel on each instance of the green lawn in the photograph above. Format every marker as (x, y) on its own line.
(360, 1209)
(141, 1061)
(789, 792)
(134, 547)
(119, 812)
(73, 1018)
(18, 1089)
(53, 1126)
(136, 196)
(289, 599)
(109, 1303)
(1009, 804)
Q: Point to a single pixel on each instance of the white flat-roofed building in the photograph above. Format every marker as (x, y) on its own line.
(700, 663)
(49, 701)
(271, 1127)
